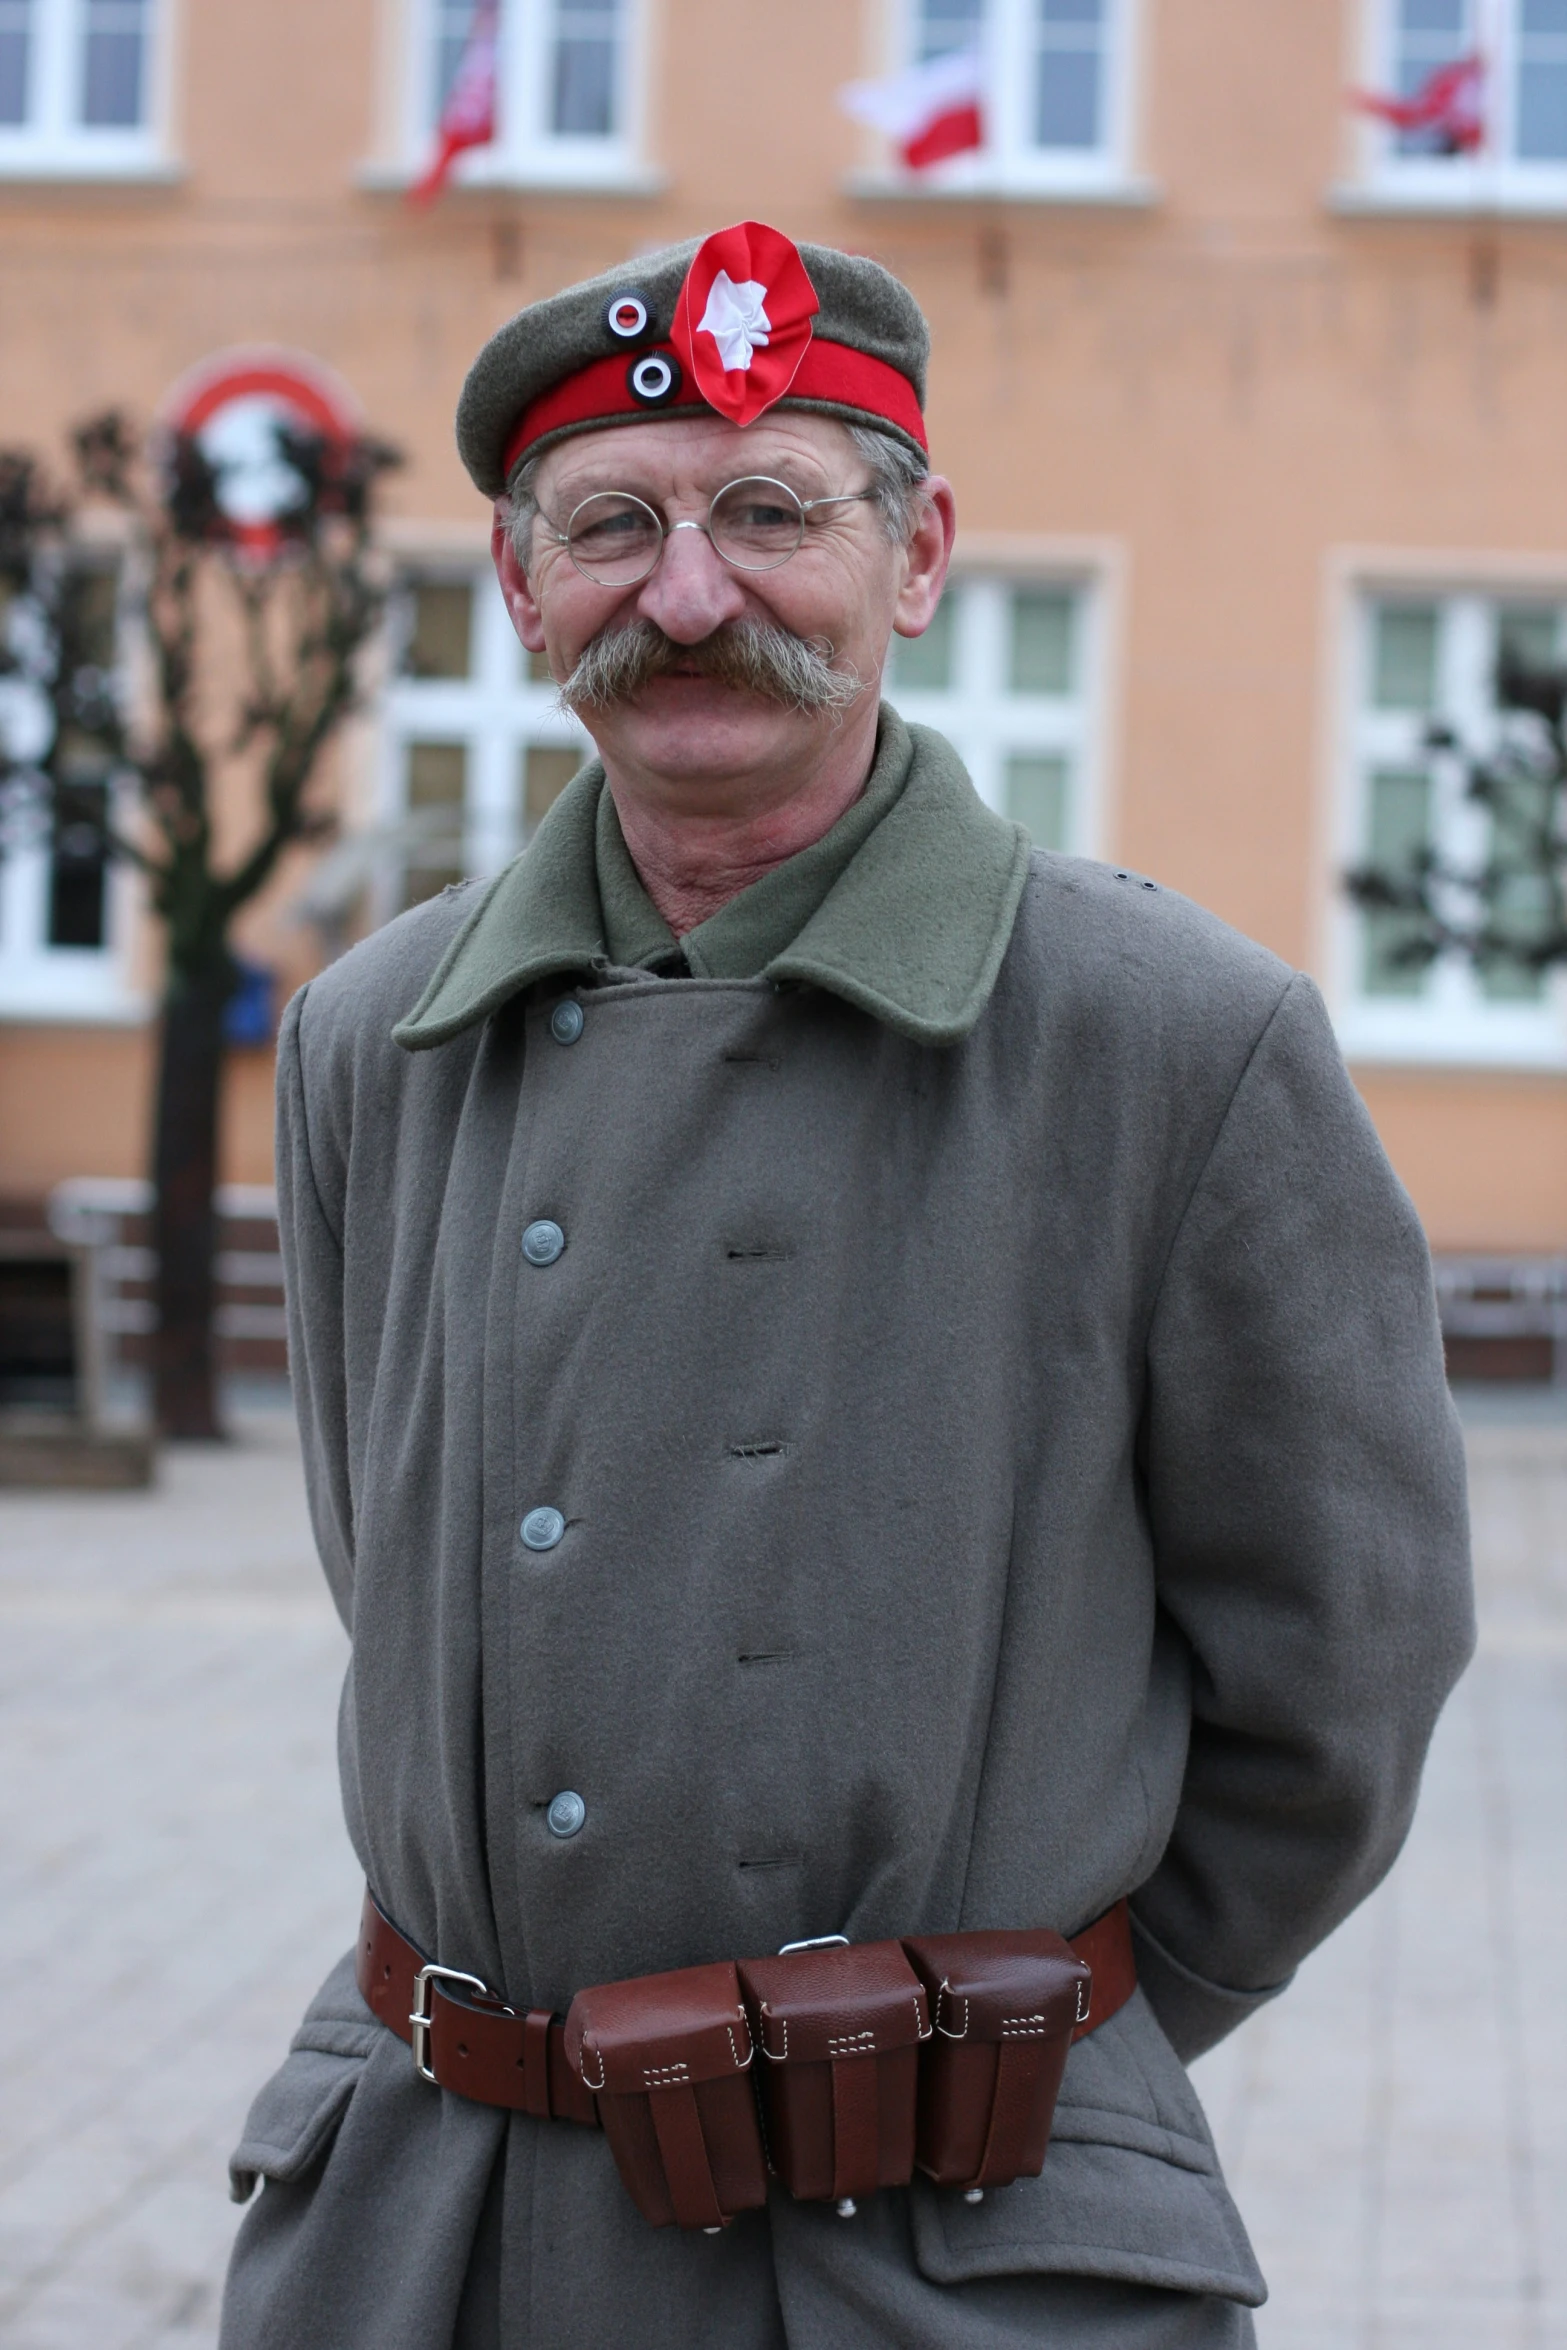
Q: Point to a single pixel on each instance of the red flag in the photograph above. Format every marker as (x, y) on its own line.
(468, 117)
(743, 320)
(1450, 101)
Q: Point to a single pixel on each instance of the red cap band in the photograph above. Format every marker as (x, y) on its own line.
(827, 371)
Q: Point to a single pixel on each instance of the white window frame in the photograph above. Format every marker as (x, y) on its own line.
(525, 152)
(495, 713)
(1010, 164)
(1453, 1024)
(986, 721)
(53, 143)
(1491, 179)
(44, 983)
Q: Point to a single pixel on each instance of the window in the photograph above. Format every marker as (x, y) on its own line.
(64, 909)
(476, 747)
(1055, 82)
(1427, 662)
(77, 86)
(563, 97)
(1522, 45)
(1007, 672)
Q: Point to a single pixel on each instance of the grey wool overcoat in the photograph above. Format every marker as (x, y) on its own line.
(993, 1391)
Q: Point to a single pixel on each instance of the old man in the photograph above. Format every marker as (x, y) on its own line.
(858, 1380)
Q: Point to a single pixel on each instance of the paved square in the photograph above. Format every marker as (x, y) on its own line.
(175, 1881)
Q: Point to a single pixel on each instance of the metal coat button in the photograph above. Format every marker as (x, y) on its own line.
(566, 1814)
(566, 1020)
(542, 1529)
(542, 1242)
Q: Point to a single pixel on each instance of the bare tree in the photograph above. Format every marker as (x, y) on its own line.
(252, 661)
(1505, 914)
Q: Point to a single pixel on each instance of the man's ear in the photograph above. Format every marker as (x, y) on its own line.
(525, 615)
(926, 556)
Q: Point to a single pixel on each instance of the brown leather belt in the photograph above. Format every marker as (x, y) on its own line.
(464, 2038)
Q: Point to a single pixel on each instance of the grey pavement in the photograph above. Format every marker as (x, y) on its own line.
(174, 1880)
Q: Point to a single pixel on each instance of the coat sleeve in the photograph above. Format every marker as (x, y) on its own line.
(1306, 1493)
(313, 1293)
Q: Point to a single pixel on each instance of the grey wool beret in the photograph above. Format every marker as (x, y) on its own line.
(618, 349)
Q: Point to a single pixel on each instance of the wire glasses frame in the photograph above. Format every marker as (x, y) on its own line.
(754, 524)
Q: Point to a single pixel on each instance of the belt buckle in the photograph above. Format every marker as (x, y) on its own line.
(421, 2018)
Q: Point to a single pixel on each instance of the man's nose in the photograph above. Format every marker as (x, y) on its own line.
(692, 592)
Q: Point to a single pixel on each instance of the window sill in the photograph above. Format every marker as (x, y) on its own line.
(97, 1001)
(635, 180)
(64, 165)
(1087, 194)
(1464, 200)
(1411, 1037)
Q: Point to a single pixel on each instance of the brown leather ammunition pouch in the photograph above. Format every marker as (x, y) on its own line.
(668, 2058)
(840, 2030)
(1004, 2007)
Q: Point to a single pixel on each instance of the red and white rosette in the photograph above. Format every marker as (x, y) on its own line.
(742, 324)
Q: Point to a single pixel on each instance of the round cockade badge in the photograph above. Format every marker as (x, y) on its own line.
(626, 315)
(653, 380)
(542, 1528)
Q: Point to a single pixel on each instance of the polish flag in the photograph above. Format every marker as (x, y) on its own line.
(468, 117)
(930, 112)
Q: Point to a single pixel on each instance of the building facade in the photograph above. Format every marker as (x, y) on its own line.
(1251, 403)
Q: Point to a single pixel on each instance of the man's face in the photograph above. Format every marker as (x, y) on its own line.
(847, 587)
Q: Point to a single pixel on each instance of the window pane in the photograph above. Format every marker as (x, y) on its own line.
(1544, 16)
(15, 46)
(1528, 637)
(1400, 828)
(440, 638)
(923, 664)
(1066, 89)
(437, 783)
(1036, 796)
(1542, 106)
(112, 63)
(1404, 669)
(1443, 17)
(1523, 909)
(78, 866)
(547, 768)
(948, 25)
(1042, 651)
(586, 42)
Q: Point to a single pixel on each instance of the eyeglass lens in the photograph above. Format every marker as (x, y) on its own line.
(616, 539)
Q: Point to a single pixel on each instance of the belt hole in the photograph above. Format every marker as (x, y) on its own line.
(462, 2047)
(386, 1974)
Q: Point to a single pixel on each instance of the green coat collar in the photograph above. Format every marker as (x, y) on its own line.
(913, 932)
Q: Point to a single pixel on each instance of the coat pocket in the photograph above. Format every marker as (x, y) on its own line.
(1131, 2187)
(300, 2110)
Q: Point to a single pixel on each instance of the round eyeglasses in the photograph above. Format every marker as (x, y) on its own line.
(616, 540)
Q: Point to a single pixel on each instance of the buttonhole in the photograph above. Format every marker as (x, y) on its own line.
(758, 1252)
(765, 1656)
(773, 1860)
(752, 1060)
(764, 1451)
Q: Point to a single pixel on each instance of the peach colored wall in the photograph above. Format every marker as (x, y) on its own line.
(77, 1101)
(1230, 383)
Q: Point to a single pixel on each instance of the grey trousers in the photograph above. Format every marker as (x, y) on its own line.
(909, 2313)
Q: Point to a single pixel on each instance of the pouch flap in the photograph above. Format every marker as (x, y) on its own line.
(1001, 1986)
(812, 2006)
(293, 2119)
(659, 2031)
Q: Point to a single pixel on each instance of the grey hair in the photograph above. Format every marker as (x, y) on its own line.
(897, 485)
